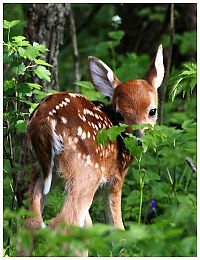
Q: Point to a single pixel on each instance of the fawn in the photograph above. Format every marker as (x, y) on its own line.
(65, 125)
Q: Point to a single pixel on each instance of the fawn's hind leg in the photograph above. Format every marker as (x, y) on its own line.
(81, 189)
(36, 200)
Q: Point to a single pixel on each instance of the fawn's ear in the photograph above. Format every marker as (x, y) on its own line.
(155, 74)
(103, 78)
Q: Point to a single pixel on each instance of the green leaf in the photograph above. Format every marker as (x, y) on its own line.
(24, 89)
(34, 86)
(20, 41)
(33, 107)
(131, 143)
(116, 35)
(20, 69)
(42, 62)
(102, 137)
(21, 51)
(39, 94)
(114, 131)
(151, 176)
(42, 73)
(30, 53)
(39, 47)
(21, 126)
(9, 84)
(8, 25)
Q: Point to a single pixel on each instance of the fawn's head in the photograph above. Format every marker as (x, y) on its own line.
(134, 101)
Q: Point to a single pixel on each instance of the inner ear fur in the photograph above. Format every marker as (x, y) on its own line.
(155, 74)
(103, 78)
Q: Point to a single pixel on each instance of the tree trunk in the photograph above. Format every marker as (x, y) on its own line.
(46, 24)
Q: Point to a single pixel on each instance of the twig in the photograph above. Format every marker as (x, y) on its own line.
(172, 184)
(76, 72)
(164, 89)
(191, 164)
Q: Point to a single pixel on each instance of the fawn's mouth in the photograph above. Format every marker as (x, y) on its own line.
(138, 133)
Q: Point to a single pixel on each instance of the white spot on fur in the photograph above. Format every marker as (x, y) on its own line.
(61, 104)
(64, 120)
(88, 134)
(57, 139)
(70, 140)
(53, 124)
(96, 165)
(73, 95)
(67, 100)
(64, 103)
(103, 180)
(57, 107)
(98, 108)
(79, 131)
(82, 117)
(88, 160)
(75, 140)
(83, 136)
(54, 111)
(50, 113)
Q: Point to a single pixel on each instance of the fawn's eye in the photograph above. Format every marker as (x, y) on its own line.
(119, 117)
(152, 112)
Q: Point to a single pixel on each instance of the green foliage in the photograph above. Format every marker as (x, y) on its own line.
(21, 59)
(187, 41)
(155, 15)
(183, 81)
(21, 62)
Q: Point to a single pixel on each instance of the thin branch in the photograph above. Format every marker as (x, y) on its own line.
(168, 67)
(76, 72)
(191, 164)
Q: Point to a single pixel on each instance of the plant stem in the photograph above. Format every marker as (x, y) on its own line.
(9, 34)
(141, 190)
(188, 180)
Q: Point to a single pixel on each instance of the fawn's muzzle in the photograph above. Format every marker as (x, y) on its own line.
(138, 133)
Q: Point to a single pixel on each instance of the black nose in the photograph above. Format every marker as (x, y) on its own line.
(139, 141)
(138, 133)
